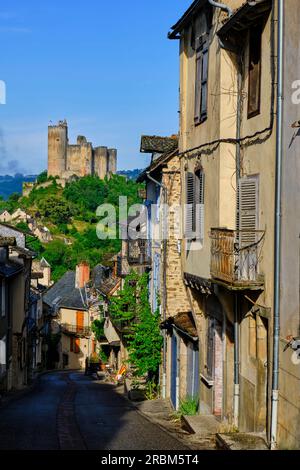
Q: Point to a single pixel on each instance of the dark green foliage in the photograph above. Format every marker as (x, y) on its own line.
(42, 178)
(98, 328)
(34, 244)
(23, 226)
(144, 340)
(55, 209)
(59, 209)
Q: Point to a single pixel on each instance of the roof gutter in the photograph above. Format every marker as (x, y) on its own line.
(277, 247)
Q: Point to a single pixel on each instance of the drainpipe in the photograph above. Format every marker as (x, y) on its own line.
(164, 296)
(236, 396)
(277, 247)
(222, 6)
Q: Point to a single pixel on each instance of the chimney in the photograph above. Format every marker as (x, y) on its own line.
(82, 276)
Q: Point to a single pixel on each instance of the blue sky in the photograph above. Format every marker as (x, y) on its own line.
(105, 66)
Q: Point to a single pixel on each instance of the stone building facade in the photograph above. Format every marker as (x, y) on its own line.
(80, 159)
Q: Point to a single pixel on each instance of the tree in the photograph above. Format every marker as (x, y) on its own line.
(42, 178)
(55, 209)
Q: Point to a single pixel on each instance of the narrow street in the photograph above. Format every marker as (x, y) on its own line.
(70, 411)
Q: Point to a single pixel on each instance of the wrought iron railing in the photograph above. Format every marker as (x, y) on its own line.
(235, 256)
(76, 329)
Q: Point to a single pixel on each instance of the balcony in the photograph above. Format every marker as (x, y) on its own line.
(235, 257)
(75, 330)
(138, 252)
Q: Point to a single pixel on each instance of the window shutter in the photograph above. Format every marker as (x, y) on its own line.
(204, 77)
(77, 346)
(210, 348)
(200, 204)
(198, 87)
(190, 206)
(247, 214)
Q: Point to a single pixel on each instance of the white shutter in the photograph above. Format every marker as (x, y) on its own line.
(200, 204)
(247, 215)
(190, 206)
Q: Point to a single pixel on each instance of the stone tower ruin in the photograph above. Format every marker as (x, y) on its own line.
(80, 159)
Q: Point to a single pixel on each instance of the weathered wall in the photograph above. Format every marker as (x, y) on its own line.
(100, 161)
(57, 149)
(289, 382)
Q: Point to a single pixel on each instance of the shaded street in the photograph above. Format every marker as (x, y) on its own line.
(69, 411)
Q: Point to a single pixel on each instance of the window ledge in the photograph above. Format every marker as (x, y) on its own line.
(209, 382)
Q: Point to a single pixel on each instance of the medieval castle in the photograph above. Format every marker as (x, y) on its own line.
(81, 159)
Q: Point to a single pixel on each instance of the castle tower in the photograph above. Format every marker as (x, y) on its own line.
(100, 161)
(57, 148)
(112, 161)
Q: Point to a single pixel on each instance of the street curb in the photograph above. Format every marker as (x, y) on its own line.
(153, 421)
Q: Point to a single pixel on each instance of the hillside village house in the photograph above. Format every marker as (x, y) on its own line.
(5, 216)
(180, 366)
(42, 233)
(71, 305)
(231, 127)
(19, 215)
(15, 272)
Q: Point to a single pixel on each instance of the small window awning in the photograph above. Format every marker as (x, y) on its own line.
(244, 17)
(184, 323)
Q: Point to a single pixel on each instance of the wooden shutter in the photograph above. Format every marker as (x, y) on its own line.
(201, 79)
(210, 348)
(79, 322)
(77, 345)
(204, 77)
(198, 87)
(247, 210)
(190, 206)
(254, 75)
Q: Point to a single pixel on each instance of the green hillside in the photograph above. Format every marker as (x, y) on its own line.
(70, 215)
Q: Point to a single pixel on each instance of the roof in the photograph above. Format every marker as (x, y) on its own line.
(109, 285)
(184, 323)
(25, 252)
(64, 290)
(10, 269)
(186, 18)
(156, 144)
(44, 263)
(155, 165)
(245, 16)
(99, 273)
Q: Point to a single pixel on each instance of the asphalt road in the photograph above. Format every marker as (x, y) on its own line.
(70, 411)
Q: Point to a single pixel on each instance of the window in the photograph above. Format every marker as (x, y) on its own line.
(254, 76)
(71, 344)
(201, 79)
(194, 213)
